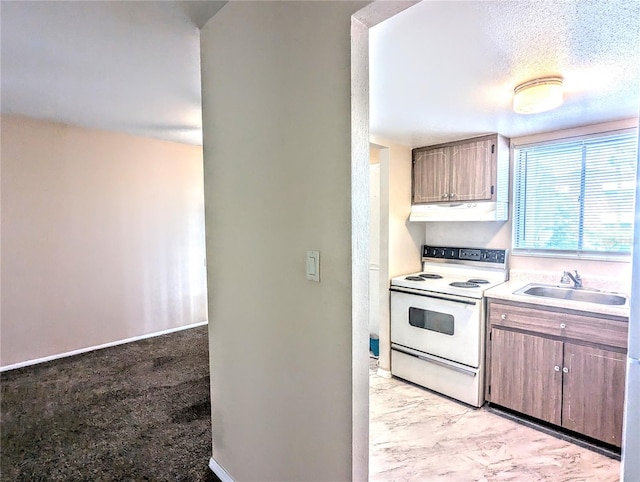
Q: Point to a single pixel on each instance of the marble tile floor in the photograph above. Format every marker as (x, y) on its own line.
(419, 436)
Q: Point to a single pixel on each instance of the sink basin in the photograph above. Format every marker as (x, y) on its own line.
(572, 294)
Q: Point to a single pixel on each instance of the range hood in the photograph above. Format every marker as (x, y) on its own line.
(471, 211)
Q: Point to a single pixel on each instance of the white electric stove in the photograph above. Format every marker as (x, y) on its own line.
(438, 320)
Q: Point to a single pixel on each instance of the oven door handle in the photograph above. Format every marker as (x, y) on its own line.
(411, 291)
(435, 360)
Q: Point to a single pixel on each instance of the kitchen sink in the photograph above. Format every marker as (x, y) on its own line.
(572, 294)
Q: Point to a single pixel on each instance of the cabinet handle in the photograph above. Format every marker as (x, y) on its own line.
(503, 317)
(445, 196)
(452, 195)
(565, 370)
(563, 326)
(556, 368)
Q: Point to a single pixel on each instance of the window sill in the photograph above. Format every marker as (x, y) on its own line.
(591, 256)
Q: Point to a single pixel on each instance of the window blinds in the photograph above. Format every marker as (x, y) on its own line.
(576, 195)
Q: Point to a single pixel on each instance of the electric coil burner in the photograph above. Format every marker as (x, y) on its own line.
(438, 320)
(464, 284)
(478, 281)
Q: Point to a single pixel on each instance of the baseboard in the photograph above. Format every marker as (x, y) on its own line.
(98, 347)
(218, 469)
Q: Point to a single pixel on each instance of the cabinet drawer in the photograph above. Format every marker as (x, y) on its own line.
(567, 325)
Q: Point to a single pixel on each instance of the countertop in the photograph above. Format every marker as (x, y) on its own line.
(505, 291)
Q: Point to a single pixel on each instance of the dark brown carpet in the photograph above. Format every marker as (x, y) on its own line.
(139, 411)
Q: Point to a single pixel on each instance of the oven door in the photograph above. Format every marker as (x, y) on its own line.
(446, 326)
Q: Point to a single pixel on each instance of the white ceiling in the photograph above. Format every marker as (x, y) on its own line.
(117, 65)
(446, 70)
(440, 70)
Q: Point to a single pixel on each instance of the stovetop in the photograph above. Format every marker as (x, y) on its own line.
(471, 270)
(443, 285)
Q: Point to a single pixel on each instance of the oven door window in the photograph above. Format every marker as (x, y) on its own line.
(432, 320)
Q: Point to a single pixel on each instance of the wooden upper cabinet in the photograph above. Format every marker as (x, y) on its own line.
(473, 171)
(593, 388)
(470, 170)
(431, 175)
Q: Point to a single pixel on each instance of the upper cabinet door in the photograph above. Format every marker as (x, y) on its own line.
(473, 171)
(431, 173)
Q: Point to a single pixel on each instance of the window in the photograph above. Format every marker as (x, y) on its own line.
(576, 196)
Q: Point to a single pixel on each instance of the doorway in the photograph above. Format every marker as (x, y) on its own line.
(370, 16)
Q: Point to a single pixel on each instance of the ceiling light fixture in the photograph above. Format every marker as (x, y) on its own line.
(538, 95)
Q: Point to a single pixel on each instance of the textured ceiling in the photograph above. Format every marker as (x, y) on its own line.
(439, 70)
(118, 65)
(443, 71)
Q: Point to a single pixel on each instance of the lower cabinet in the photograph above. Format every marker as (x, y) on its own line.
(514, 384)
(593, 392)
(572, 383)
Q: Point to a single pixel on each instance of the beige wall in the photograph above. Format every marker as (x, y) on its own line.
(374, 155)
(400, 240)
(277, 150)
(405, 238)
(102, 238)
(498, 235)
(374, 249)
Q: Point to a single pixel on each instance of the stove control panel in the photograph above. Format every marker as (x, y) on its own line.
(464, 254)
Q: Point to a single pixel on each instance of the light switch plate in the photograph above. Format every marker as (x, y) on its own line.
(313, 266)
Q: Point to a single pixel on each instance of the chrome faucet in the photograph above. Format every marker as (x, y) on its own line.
(567, 278)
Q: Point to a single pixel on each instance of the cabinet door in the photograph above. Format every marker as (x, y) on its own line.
(593, 390)
(431, 176)
(473, 171)
(526, 375)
